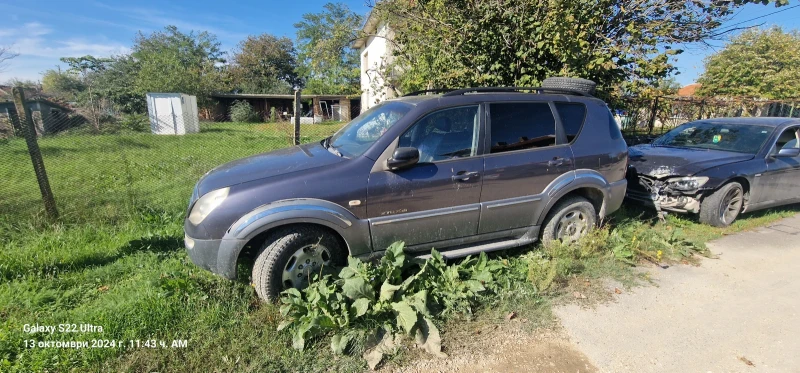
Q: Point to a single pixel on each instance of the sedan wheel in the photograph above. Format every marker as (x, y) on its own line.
(722, 207)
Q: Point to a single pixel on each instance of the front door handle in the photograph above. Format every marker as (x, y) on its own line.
(556, 161)
(465, 175)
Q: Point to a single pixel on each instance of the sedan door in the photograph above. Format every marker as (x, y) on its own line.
(781, 182)
(438, 198)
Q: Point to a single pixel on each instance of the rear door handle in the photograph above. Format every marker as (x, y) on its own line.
(556, 161)
(465, 176)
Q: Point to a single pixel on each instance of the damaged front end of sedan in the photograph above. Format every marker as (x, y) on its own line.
(667, 191)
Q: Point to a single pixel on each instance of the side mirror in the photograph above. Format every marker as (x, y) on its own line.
(788, 153)
(403, 157)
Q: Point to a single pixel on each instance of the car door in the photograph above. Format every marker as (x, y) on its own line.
(438, 198)
(781, 181)
(526, 151)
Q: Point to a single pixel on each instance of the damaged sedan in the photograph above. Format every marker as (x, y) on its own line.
(719, 168)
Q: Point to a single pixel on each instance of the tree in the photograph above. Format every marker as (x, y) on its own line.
(62, 84)
(625, 43)
(90, 100)
(5, 55)
(264, 64)
(328, 63)
(760, 63)
(172, 61)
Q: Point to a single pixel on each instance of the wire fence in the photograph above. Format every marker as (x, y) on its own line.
(644, 119)
(117, 166)
(103, 167)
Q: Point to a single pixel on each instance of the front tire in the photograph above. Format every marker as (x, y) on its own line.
(569, 220)
(291, 256)
(723, 206)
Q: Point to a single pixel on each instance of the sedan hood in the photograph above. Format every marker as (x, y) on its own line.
(660, 161)
(279, 162)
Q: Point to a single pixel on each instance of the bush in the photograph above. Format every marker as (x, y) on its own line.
(241, 111)
(372, 307)
(135, 123)
(273, 115)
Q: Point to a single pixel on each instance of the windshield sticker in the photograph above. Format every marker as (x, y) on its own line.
(717, 138)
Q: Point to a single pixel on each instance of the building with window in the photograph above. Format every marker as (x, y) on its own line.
(377, 71)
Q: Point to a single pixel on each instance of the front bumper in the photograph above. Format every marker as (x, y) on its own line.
(218, 256)
(680, 204)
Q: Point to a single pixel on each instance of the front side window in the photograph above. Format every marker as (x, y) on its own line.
(733, 137)
(521, 125)
(789, 139)
(445, 134)
(358, 135)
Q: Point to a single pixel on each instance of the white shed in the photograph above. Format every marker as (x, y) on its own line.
(172, 113)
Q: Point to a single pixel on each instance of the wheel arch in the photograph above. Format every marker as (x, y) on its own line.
(588, 184)
(253, 228)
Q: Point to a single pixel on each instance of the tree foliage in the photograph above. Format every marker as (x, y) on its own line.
(328, 63)
(448, 43)
(173, 61)
(756, 63)
(5, 55)
(264, 64)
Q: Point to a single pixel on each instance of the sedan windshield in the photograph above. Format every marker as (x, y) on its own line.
(357, 136)
(733, 137)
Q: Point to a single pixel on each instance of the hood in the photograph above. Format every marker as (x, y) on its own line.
(279, 162)
(661, 161)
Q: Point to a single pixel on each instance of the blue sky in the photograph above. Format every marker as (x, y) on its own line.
(42, 31)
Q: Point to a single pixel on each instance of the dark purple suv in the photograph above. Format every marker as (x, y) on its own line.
(466, 171)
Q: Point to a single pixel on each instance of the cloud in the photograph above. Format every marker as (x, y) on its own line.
(39, 47)
(28, 29)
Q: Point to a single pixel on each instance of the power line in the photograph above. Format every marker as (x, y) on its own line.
(762, 16)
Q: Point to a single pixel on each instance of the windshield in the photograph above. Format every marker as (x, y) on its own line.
(357, 136)
(734, 137)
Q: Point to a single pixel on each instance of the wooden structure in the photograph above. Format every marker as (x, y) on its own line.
(329, 107)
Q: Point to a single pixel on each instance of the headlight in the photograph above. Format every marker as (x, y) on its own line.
(206, 204)
(687, 183)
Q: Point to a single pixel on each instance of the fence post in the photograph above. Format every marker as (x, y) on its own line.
(26, 123)
(652, 122)
(298, 107)
(702, 106)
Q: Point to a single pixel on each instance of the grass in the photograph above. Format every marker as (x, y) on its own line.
(116, 259)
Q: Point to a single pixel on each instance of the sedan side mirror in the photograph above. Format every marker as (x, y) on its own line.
(403, 157)
(788, 153)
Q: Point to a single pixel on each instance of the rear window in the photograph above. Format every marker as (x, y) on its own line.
(521, 125)
(572, 116)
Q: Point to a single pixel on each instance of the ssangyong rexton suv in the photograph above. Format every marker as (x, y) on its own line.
(470, 170)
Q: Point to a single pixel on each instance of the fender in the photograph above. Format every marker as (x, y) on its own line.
(612, 193)
(291, 211)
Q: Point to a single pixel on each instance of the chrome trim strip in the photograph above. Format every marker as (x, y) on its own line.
(417, 215)
(491, 205)
(280, 209)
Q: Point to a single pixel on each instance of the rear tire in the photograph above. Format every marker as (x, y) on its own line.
(569, 220)
(574, 84)
(291, 256)
(722, 207)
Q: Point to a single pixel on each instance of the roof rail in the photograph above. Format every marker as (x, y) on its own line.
(417, 93)
(540, 90)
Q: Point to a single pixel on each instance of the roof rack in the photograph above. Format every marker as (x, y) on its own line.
(540, 90)
(417, 93)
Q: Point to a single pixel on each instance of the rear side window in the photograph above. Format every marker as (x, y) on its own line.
(521, 125)
(572, 116)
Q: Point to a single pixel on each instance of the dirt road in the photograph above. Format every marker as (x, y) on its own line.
(737, 313)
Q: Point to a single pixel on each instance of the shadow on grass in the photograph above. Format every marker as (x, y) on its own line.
(157, 244)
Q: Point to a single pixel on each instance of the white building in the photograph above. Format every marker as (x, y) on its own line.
(377, 71)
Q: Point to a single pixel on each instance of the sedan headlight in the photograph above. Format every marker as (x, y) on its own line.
(687, 183)
(206, 204)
